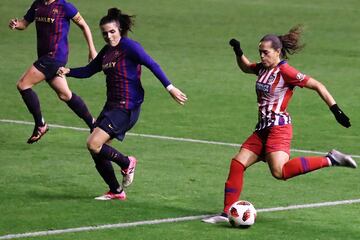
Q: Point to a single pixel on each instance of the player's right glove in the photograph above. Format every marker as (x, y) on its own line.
(236, 46)
(340, 116)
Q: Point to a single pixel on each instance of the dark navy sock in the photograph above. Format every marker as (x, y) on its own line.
(115, 156)
(79, 107)
(33, 104)
(106, 171)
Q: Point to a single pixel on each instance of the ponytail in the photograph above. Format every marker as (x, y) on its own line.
(125, 21)
(289, 43)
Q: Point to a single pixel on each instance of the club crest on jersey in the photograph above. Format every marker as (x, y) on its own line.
(300, 76)
(271, 78)
(263, 87)
(55, 11)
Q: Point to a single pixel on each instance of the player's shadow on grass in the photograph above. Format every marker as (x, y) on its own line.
(57, 195)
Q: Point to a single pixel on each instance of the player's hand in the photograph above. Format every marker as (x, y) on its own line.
(178, 95)
(13, 23)
(62, 71)
(92, 55)
(236, 46)
(340, 116)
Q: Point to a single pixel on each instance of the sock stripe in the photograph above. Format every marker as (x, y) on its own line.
(304, 164)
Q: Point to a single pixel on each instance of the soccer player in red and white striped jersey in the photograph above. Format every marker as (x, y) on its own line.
(275, 84)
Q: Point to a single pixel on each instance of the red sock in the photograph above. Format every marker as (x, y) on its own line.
(233, 185)
(302, 165)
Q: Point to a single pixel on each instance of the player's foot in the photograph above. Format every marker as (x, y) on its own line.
(110, 196)
(216, 219)
(38, 132)
(340, 159)
(128, 174)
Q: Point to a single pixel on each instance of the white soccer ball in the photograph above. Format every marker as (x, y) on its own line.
(242, 214)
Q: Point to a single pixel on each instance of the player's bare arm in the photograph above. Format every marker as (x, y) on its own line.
(321, 90)
(242, 61)
(330, 101)
(80, 22)
(18, 24)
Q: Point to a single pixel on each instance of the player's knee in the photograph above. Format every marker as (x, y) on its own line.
(277, 173)
(93, 147)
(20, 85)
(64, 96)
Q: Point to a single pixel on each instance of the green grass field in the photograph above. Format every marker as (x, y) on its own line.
(50, 185)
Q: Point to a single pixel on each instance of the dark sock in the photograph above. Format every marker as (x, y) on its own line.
(79, 107)
(115, 156)
(32, 102)
(106, 171)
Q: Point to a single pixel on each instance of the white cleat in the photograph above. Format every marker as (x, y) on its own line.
(215, 219)
(340, 159)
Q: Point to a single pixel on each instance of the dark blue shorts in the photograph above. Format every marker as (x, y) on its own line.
(48, 66)
(116, 121)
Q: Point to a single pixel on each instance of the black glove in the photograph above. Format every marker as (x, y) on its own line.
(236, 46)
(340, 116)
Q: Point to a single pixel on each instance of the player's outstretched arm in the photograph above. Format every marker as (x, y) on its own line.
(242, 61)
(80, 22)
(18, 24)
(329, 100)
(176, 94)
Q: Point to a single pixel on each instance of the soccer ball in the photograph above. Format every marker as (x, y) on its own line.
(242, 214)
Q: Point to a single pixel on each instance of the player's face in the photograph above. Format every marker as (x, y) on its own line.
(269, 56)
(111, 33)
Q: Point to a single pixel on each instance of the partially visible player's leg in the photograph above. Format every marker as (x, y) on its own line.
(76, 104)
(234, 182)
(278, 154)
(283, 168)
(97, 138)
(30, 78)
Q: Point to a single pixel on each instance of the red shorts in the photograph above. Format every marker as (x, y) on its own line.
(273, 139)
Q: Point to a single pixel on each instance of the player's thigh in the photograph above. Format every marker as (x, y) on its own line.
(31, 77)
(246, 157)
(61, 87)
(276, 161)
(96, 139)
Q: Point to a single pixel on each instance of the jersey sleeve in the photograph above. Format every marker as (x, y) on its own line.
(255, 67)
(293, 77)
(70, 10)
(30, 14)
(137, 52)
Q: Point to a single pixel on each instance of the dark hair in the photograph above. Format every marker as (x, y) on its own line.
(125, 21)
(289, 43)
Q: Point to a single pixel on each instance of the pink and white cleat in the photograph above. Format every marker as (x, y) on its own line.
(128, 174)
(112, 196)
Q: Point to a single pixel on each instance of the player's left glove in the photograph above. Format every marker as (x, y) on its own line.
(340, 116)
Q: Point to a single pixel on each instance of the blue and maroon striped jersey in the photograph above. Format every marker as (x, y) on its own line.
(52, 27)
(122, 67)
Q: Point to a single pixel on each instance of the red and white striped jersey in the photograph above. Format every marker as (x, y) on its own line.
(274, 88)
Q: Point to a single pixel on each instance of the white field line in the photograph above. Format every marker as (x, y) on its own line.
(162, 137)
(167, 220)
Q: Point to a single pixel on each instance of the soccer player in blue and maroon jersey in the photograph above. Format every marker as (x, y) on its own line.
(52, 18)
(272, 137)
(121, 61)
